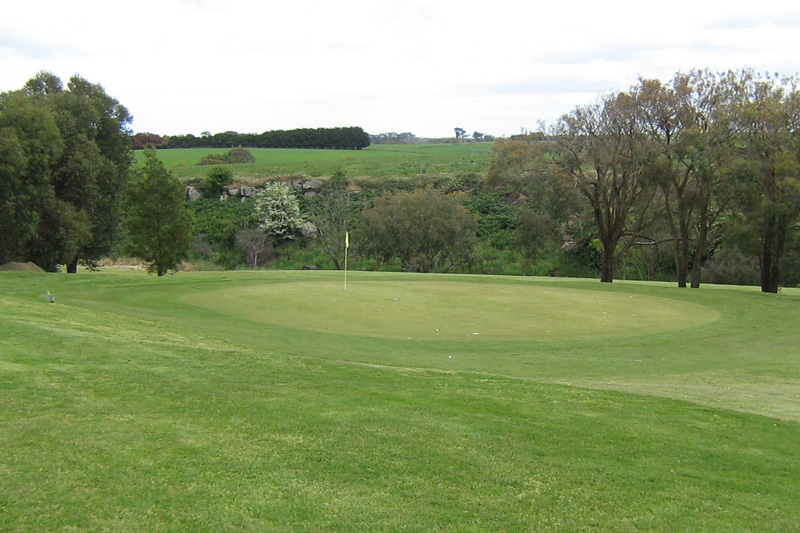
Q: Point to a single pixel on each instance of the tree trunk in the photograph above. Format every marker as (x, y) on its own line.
(609, 263)
(702, 244)
(769, 259)
(774, 242)
(681, 261)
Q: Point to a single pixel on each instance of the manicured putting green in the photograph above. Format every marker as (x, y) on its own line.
(451, 310)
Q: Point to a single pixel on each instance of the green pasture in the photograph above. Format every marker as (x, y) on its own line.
(279, 401)
(399, 161)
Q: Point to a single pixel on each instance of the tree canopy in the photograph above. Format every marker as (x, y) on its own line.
(348, 138)
(157, 222)
(66, 156)
(682, 162)
(426, 229)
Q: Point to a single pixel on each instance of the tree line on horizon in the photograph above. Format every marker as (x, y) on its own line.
(343, 138)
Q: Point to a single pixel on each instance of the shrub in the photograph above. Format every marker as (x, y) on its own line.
(216, 180)
(277, 211)
(233, 156)
(240, 155)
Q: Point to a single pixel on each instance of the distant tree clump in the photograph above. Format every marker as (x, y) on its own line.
(350, 138)
(240, 155)
(140, 141)
(233, 156)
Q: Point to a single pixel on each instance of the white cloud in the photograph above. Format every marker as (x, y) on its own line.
(185, 66)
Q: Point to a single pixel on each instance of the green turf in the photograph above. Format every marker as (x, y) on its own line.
(401, 161)
(243, 401)
(450, 310)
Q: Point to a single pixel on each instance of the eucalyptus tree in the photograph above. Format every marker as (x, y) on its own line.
(94, 167)
(601, 147)
(766, 122)
(687, 125)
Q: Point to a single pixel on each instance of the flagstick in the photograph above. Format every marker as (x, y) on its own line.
(346, 248)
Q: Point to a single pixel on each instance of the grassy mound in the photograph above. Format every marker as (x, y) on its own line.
(20, 267)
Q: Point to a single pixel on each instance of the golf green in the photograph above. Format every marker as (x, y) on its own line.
(449, 310)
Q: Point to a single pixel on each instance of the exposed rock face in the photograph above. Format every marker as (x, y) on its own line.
(192, 194)
(308, 186)
(309, 230)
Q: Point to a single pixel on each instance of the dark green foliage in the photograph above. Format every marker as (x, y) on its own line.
(498, 218)
(240, 156)
(158, 224)
(426, 229)
(66, 155)
(233, 156)
(217, 178)
(217, 223)
(352, 138)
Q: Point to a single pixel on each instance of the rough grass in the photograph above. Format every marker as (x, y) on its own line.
(398, 161)
(134, 404)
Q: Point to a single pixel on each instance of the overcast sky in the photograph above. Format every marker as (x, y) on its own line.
(423, 66)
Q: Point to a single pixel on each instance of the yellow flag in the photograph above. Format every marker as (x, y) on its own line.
(347, 239)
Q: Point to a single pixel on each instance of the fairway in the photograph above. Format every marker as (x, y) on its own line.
(452, 310)
(278, 401)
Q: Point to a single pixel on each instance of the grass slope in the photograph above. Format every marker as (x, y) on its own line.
(376, 161)
(139, 403)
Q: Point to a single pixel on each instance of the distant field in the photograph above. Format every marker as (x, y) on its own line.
(278, 401)
(376, 161)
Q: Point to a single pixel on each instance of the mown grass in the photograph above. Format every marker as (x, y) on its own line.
(134, 404)
(376, 161)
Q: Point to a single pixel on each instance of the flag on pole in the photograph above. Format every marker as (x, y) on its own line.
(346, 247)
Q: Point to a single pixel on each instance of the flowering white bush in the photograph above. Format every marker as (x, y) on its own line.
(278, 211)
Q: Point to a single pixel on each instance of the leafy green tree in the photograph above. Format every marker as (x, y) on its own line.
(92, 165)
(428, 230)
(277, 211)
(687, 125)
(217, 178)
(600, 146)
(546, 196)
(766, 119)
(157, 221)
(30, 146)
